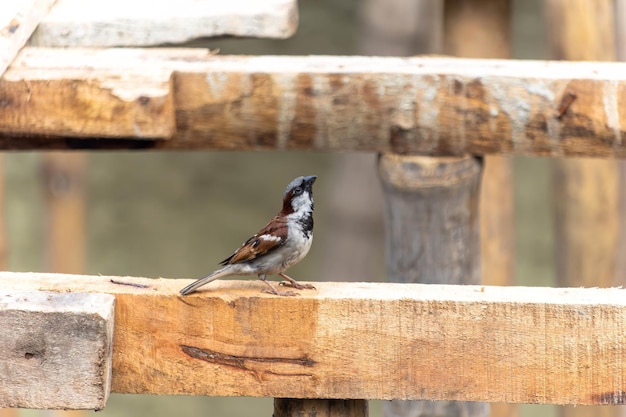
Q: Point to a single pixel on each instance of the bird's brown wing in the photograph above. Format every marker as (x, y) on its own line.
(272, 236)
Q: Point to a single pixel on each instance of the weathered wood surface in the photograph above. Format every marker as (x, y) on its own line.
(432, 218)
(55, 348)
(103, 93)
(18, 20)
(431, 106)
(100, 23)
(362, 340)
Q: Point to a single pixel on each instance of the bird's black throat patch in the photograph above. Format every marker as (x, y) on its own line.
(307, 224)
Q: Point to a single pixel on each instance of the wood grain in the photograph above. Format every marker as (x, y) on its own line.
(73, 23)
(362, 340)
(430, 106)
(55, 349)
(97, 96)
(432, 218)
(18, 20)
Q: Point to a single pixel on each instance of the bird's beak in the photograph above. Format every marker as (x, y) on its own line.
(310, 180)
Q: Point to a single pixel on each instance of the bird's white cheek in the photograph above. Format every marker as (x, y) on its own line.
(302, 203)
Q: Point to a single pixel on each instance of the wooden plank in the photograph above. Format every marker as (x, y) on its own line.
(362, 340)
(95, 97)
(55, 349)
(18, 20)
(432, 106)
(73, 23)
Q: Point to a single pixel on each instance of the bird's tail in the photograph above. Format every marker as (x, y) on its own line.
(204, 280)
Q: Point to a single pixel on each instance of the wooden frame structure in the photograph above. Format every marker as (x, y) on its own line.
(357, 341)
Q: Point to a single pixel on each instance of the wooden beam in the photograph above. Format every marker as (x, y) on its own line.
(106, 95)
(432, 106)
(18, 20)
(55, 349)
(362, 340)
(100, 23)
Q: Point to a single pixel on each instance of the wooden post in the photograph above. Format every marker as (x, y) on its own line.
(432, 237)
(489, 22)
(587, 215)
(63, 176)
(320, 408)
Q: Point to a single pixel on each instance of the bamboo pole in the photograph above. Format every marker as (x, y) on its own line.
(587, 216)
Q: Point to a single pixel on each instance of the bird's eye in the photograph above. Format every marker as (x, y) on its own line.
(297, 190)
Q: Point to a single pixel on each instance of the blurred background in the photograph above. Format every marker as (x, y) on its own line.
(177, 214)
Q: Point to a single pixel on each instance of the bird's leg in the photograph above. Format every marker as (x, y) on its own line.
(294, 284)
(273, 290)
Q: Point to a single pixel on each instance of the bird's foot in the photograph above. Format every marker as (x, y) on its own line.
(295, 284)
(274, 291)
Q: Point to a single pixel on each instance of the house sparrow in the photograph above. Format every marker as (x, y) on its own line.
(282, 243)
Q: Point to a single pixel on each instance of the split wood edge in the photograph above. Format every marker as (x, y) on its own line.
(102, 23)
(18, 20)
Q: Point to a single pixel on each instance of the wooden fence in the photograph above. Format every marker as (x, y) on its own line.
(352, 341)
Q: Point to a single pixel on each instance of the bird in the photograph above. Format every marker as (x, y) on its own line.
(282, 243)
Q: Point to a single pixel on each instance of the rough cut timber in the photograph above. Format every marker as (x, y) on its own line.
(55, 349)
(362, 340)
(431, 106)
(73, 23)
(18, 20)
(101, 96)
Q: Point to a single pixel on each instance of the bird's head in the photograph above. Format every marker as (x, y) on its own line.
(298, 196)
